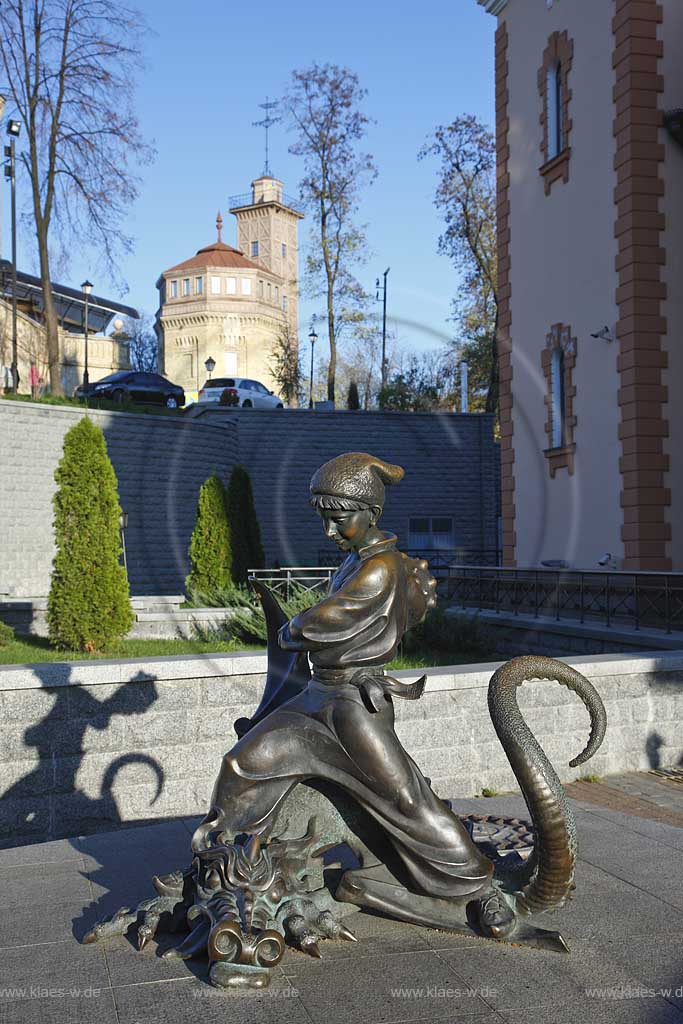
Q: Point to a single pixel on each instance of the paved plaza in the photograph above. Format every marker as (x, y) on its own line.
(623, 928)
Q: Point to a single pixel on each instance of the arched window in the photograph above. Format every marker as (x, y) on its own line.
(554, 86)
(557, 406)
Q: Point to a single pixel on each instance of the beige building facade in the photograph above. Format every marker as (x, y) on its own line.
(230, 303)
(590, 203)
(106, 353)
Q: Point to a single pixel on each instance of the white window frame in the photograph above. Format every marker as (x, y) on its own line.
(254, 249)
(199, 285)
(246, 286)
(186, 286)
(215, 285)
(174, 289)
(231, 285)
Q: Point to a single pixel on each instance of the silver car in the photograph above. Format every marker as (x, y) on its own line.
(239, 392)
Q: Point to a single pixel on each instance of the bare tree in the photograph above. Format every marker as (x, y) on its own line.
(70, 69)
(285, 363)
(466, 196)
(323, 105)
(143, 345)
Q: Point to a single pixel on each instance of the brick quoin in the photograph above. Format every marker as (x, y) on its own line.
(639, 224)
(504, 294)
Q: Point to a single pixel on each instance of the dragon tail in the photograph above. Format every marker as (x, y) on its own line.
(545, 880)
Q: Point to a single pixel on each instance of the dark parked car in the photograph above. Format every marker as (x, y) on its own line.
(134, 387)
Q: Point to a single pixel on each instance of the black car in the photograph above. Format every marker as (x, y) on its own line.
(129, 385)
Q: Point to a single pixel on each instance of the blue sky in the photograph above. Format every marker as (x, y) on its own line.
(209, 65)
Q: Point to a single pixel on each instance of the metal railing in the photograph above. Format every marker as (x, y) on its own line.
(272, 196)
(635, 599)
(283, 581)
(441, 560)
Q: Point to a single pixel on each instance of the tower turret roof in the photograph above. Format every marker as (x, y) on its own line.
(217, 254)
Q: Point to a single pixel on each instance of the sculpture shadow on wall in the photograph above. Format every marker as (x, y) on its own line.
(59, 741)
(653, 746)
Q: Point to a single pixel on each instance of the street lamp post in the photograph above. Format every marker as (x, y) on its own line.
(87, 288)
(383, 286)
(13, 130)
(210, 366)
(312, 337)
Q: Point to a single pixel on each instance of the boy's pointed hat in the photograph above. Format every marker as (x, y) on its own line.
(356, 475)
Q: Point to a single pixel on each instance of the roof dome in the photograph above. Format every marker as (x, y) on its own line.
(217, 254)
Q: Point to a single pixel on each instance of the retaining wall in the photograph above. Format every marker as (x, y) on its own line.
(160, 463)
(88, 745)
(450, 461)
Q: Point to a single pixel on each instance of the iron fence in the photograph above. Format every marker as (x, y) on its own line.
(247, 199)
(441, 560)
(284, 581)
(635, 599)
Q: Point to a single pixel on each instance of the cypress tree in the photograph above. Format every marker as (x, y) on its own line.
(89, 602)
(247, 550)
(210, 546)
(352, 399)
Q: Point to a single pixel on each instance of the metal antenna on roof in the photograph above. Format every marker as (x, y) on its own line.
(267, 122)
(219, 225)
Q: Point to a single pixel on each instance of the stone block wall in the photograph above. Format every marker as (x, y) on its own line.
(160, 462)
(86, 746)
(450, 460)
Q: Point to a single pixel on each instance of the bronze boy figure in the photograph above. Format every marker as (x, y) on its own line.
(334, 721)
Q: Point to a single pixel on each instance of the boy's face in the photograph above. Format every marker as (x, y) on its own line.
(347, 529)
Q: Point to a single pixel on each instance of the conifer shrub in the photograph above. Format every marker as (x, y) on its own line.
(6, 635)
(89, 602)
(211, 544)
(352, 398)
(247, 550)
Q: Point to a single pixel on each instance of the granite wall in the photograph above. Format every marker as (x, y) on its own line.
(160, 462)
(89, 745)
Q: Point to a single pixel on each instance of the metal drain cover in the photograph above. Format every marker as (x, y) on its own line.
(670, 774)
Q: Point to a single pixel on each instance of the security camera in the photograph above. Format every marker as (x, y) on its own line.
(604, 334)
(606, 559)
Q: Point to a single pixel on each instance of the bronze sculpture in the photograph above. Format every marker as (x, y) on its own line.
(334, 722)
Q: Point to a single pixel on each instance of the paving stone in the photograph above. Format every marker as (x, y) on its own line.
(56, 852)
(130, 966)
(656, 962)
(55, 983)
(406, 987)
(69, 919)
(603, 1011)
(377, 936)
(514, 977)
(36, 885)
(180, 1002)
(600, 916)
